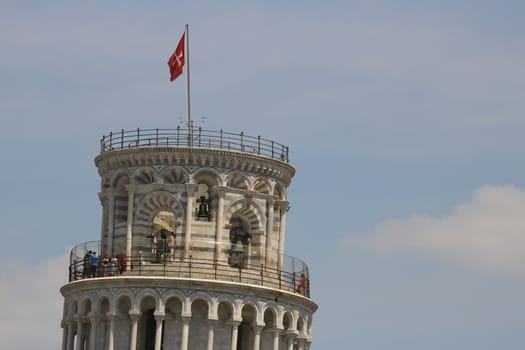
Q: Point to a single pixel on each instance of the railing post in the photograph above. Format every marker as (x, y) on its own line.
(157, 137)
(189, 267)
(102, 144)
(280, 279)
(262, 274)
(163, 256)
(272, 151)
(242, 144)
(240, 273)
(293, 281)
(200, 130)
(110, 140)
(258, 144)
(215, 268)
(121, 138)
(138, 136)
(221, 139)
(178, 135)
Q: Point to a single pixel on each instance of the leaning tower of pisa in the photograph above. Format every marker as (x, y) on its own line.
(191, 251)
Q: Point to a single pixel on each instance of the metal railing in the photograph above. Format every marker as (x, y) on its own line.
(194, 138)
(198, 268)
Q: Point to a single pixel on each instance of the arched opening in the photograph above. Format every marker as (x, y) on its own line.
(173, 324)
(240, 242)
(101, 331)
(287, 321)
(246, 334)
(202, 208)
(163, 235)
(270, 324)
(147, 324)
(122, 321)
(225, 313)
(198, 334)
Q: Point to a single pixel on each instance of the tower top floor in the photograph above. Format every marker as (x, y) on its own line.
(174, 198)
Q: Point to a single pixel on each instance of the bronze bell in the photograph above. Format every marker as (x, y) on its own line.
(203, 208)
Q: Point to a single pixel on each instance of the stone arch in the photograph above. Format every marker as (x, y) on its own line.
(144, 175)
(262, 185)
(105, 183)
(157, 201)
(103, 305)
(85, 306)
(144, 295)
(208, 176)
(249, 316)
(270, 317)
(280, 192)
(174, 175)
(148, 303)
(237, 180)
(123, 301)
(205, 297)
(74, 308)
(309, 325)
(301, 325)
(174, 304)
(288, 320)
(120, 177)
(249, 210)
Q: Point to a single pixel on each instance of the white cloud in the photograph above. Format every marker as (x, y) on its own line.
(31, 303)
(487, 233)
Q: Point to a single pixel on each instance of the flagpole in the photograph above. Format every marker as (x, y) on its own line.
(188, 123)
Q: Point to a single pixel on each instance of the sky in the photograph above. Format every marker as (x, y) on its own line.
(404, 121)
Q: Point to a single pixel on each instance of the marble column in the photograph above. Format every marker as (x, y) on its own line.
(129, 231)
(135, 316)
(276, 334)
(211, 333)
(111, 225)
(269, 232)
(189, 219)
(63, 324)
(185, 332)
(111, 316)
(301, 344)
(219, 221)
(235, 333)
(159, 317)
(80, 323)
(70, 333)
(257, 336)
(283, 208)
(94, 319)
(290, 337)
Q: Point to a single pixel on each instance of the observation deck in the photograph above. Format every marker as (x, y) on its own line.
(293, 277)
(193, 138)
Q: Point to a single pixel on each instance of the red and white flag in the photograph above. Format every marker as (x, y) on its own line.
(177, 59)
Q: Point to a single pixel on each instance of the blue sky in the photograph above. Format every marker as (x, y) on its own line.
(404, 120)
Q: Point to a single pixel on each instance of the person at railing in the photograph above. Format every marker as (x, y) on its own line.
(87, 265)
(301, 285)
(172, 242)
(113, 262)
(122, 264)
(154, 244)
(105, 266)
(93, 261)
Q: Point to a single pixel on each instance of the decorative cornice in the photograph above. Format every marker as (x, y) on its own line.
(184, 156)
